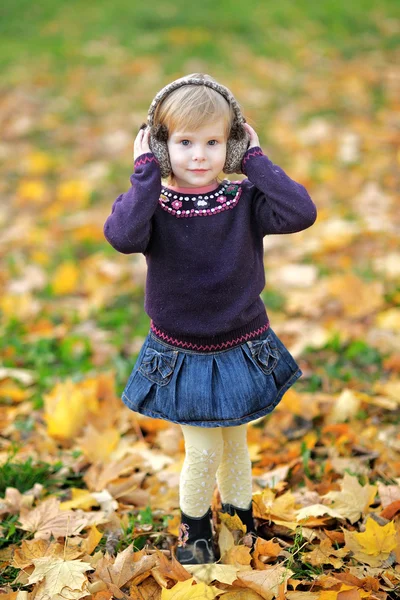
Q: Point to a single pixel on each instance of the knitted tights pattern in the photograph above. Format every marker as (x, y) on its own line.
(214, 452)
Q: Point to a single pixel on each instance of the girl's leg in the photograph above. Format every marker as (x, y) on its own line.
(203, 454)
(234, 472)
(204, 446)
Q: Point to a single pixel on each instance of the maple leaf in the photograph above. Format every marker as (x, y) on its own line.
(233, 523)
(317, 510)
(59, 574)
(213, 572)
(119, 571)
(67, 406)
(353, 499)
(98, 445)
(148, 590)
(388, 493)
(377, 540)
(171, 569)
(240, 594)
(265, 548)
(47, 519)
(324, 554)
(373, 546)
(185, 590)
(272, 507)
(266, 582)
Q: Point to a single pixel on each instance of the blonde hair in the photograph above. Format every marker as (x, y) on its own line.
(192, 106)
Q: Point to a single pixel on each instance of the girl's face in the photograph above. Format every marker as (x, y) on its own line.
(197, 157)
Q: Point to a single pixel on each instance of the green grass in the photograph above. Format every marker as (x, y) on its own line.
(59, 31)
(23, 475)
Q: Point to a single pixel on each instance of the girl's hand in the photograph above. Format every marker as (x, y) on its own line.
(254, 141)
(141, 145)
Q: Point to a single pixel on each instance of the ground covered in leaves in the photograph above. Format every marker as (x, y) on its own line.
(89, 490)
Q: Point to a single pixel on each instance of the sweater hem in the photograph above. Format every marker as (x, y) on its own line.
(224, 341)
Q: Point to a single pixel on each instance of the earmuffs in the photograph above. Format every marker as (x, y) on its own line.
(237, 142)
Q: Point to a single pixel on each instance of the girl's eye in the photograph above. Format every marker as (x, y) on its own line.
(213, 142)
(185, 142)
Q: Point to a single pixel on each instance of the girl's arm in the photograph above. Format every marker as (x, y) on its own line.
(281, 205)
(128, 228)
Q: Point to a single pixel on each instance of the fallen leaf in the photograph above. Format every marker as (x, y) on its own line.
(59, 574)
(185, 590)
(213, 572)
(353, 499)
(267, 582)
(376, 539)
(325, 554)
(47, 519)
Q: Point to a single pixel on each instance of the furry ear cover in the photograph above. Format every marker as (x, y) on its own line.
(237, 142)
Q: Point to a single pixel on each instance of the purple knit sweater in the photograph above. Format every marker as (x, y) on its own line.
(204, 252)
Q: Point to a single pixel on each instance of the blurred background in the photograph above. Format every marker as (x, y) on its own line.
(320, 82)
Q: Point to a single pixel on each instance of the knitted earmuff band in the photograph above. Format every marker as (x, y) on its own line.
(238, 138)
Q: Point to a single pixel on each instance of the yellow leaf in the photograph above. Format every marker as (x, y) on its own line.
(267, 582)
(65, 278)
(92, 539)
(47, 519)
(282, 507)
(29, 550)
(184, 590)
(238, 556)
(39, 163)
(80, 499)
(317, 510)
(233, 523)
(376, 540)
(73, 194)
(345, 407)
(353, 499)
(32, 190)
(357, 297)
(225, 540)
(98, 445)
(59, 574)
(67, 406)
(389, 319)
(213, 572)
(241, 594)
(324, 554)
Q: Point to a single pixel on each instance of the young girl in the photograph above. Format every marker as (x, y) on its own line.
(211, 361)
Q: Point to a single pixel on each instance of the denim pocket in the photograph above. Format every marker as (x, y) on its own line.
(265, 353)
(157, 366)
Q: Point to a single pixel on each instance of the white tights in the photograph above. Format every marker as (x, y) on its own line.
(218, 452)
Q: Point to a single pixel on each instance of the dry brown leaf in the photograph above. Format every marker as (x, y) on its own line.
(213, 572)
(267, 582)
(353, 499)
(56, 574)
(267, 549)
(119, 571)
(47, 519)
(148, 590)
(171, 569)
(185, 590)
(325, 554)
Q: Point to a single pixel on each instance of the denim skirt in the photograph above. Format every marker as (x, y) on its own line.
(210, 389)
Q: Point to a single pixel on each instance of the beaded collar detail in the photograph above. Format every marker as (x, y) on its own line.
(224, 197)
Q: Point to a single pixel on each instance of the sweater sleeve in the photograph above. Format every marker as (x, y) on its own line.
(280, 204)
(128, 227)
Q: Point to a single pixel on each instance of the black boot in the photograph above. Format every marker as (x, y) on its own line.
(245, 515)
(199, 547)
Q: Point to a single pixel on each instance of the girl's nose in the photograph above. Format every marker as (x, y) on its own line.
(198, 154)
